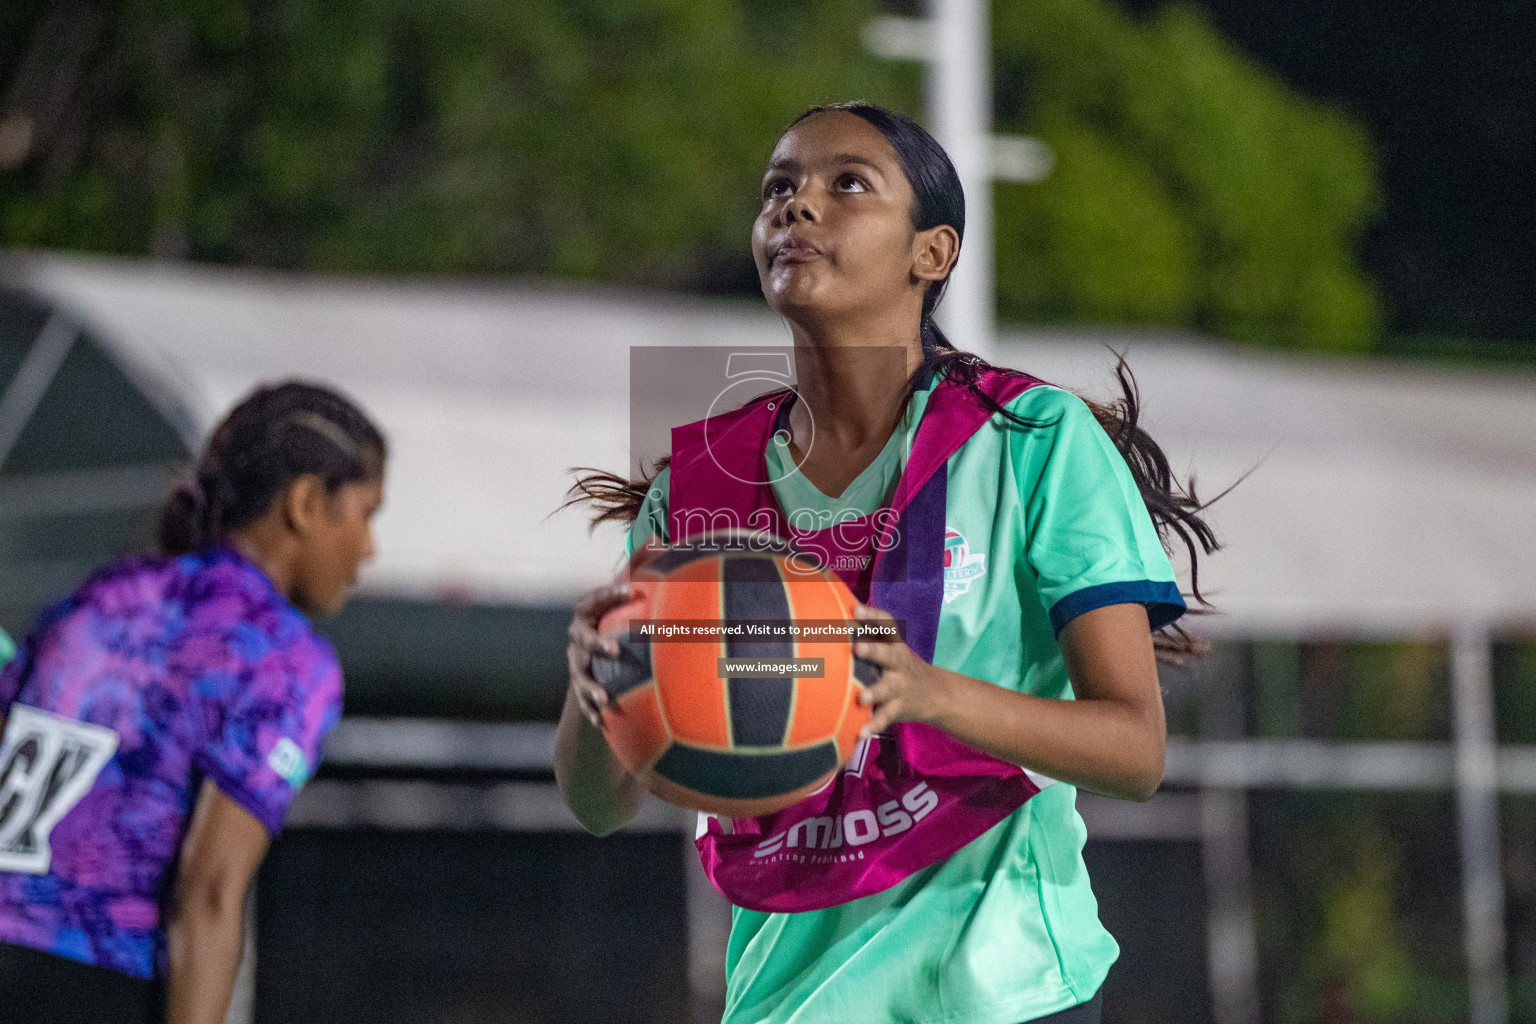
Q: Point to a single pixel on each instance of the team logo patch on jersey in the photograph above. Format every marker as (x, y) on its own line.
(47, 764)
(962, 567)
(289, 762)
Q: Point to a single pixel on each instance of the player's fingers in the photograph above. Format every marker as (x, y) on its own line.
(579, 661)
(882, 654)
(595, 693)
(588, 639)
(595, 701)
(877, 625)
(869, 613)
(580, 668)
(590, 608)
(881, 720)
(879, 693)
(589, 598)
(584, 703)
(610, 597)
(592, 604)
(591, 698)
(582, 681)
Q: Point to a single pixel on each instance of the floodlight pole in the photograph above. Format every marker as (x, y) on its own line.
(959, 101)
(1477, 807)
(954, 42)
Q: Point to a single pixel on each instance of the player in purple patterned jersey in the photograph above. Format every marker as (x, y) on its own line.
(158, 722)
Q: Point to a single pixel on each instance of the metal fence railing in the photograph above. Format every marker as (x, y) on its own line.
(1220, 772)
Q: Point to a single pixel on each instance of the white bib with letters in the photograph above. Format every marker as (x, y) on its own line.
(47, 764)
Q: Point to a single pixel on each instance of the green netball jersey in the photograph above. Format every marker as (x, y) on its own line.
(1042, 524)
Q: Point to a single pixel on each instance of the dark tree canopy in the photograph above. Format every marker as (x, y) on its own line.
(624, 141)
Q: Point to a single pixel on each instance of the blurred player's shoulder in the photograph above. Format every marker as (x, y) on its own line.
(223, 595)
(200, 602)
(157, 586)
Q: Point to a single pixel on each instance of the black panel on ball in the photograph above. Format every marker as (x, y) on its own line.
(745, 776)
(676, 558)
(760, 710)
(759, 707)
(630, 669)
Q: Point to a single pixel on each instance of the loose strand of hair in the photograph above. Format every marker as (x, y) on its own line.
(613, 498)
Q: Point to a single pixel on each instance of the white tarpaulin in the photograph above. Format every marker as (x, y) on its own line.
(1383, 497)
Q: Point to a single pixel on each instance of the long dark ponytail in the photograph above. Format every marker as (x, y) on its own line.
(278, 433)
(939, 199)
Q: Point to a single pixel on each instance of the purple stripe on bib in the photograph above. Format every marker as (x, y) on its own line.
(914, 795)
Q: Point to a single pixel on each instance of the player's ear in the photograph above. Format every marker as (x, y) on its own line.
(934, 252)
(304, 503)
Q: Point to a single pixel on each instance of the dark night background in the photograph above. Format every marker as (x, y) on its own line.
(1449, 94)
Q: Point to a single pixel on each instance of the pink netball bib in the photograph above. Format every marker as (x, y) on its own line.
(913, 795)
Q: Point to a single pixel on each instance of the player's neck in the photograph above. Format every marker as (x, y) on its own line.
(851, 381)
(271, 550)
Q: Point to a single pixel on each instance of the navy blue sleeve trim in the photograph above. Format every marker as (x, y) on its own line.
(1162, 598)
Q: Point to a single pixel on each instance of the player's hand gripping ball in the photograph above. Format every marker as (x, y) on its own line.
(736, 745)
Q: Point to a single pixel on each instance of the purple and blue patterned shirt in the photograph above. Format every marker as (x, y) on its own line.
(153, 676)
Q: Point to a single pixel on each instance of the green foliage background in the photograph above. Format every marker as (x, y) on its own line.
(623, 141)
(1191, 187)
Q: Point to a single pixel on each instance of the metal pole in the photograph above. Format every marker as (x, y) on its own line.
(960, 114)
(1232, 949)
(1232, 955)
(33, 378)
(1477, 805)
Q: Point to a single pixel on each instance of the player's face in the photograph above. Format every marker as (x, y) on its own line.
(835, 232)
(338, 543)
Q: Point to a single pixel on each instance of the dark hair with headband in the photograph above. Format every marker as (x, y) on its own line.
(277, 434)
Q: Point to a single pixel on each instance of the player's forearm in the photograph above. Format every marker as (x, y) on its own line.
(602, 795)
(205, 939)
(1105, 746)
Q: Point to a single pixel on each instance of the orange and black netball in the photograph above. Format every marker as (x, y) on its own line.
(731, 744)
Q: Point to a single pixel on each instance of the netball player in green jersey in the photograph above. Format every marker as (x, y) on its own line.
(1056, 579)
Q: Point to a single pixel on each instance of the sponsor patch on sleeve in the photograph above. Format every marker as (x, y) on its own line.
(289, 762)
